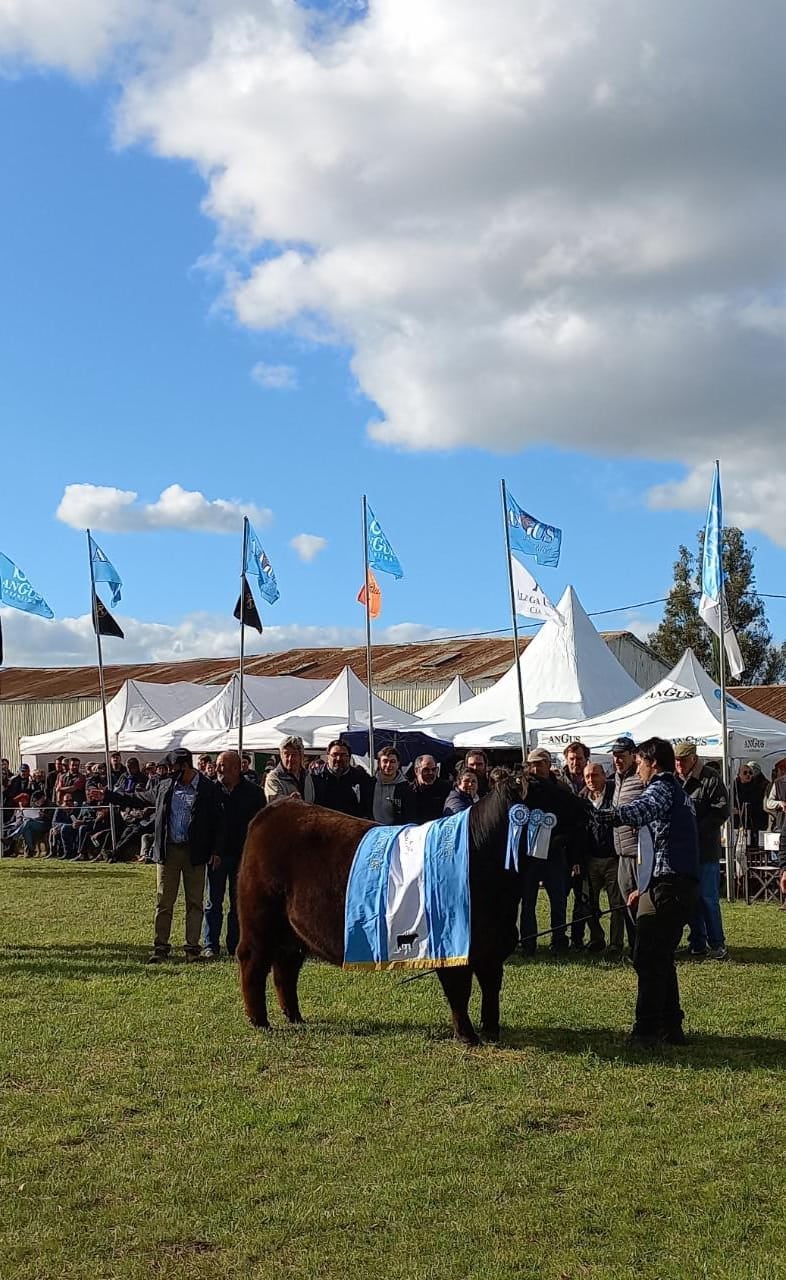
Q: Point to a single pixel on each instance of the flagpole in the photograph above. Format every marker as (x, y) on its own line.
(516, 655)
(102, 687)
(367, 594)
(730, 860)
(242, 635)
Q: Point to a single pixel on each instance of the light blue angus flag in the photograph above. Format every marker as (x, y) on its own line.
(105, 571)
(380, 553)
(531, 536)
(258, 565)
(17, 591)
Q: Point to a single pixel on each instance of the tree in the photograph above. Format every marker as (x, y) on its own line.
(681, 627)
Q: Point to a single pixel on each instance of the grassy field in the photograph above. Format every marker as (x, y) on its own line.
(146, 1130)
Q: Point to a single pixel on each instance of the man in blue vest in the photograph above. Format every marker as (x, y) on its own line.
(668, 888)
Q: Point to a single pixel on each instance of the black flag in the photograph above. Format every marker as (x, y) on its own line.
(251, 616)
(103, 622)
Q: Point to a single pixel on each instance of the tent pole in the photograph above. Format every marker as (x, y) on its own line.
(242, 638)
(367, 594)
(102, 689)
(730, 860)
(516, 655)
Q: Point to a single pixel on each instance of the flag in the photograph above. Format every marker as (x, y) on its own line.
(251, 616)
(531, 600)
(380, 553)
(260, 567)
(712, 578)
(17, 591)
(374, 596)
(105, 571)
(531, 537)
(103, 622)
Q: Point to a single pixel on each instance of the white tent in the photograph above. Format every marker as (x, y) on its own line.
(136, 707)
(341, 707)
(686, 704)
(263, 696)
(458, 691)
(567, 673)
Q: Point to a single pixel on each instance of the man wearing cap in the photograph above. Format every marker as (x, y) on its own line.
(241, 801)
(568, 840)
(188, 833)
(711, 804)
(627, 788)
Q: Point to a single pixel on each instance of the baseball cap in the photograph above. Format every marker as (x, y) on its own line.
(683, 749)
(539, 753)
(622, 744)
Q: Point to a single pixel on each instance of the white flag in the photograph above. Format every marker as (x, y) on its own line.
(531, 601)
(711, 579)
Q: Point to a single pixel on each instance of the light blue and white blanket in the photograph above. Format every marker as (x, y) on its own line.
(407, 902)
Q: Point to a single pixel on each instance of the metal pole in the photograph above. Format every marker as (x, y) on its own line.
(730, 861)
(367, 593)
(242, 635)
(516, 655)
(102, 687)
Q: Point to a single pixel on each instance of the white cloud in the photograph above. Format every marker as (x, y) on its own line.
(308, 545)
(102, 507)
(275, 377)
(752, 486)
(530, 221)
(33, 642)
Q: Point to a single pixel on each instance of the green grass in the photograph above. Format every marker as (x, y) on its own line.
(146, 1130)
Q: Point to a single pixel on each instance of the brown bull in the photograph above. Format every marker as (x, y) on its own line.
(291, 898)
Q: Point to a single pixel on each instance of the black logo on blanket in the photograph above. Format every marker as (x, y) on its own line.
(405, 941)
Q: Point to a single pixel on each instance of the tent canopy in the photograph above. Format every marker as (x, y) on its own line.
(341, 707)
(567, 672)
(458, 691)
(136, 707)
(686, 704)
(263, 696)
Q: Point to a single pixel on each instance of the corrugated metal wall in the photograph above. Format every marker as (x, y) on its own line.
(20, 719)
(641, 665)
(411, 697)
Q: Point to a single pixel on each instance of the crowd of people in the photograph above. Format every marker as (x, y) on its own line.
(190, 820)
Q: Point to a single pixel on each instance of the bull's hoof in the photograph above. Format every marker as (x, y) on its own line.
(468, 1038)
(260, 1026)
(294, 1019)
(491, 1034)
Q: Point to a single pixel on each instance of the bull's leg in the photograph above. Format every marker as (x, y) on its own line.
(457, 985)
(254, 961)
(489, 975)
(286, 970)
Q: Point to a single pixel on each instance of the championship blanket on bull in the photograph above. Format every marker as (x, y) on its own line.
(407, 901)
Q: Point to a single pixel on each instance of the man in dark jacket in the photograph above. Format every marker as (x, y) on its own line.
(568, 839)
(429, 791)
(711, 806)
(341, 786)
(188, 833)
(392, 803)
(241, 801)
(668, 888)
(602, 864)
(627, 788)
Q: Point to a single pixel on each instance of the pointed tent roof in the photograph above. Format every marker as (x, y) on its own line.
(137, 706)
(686, 704)
(567, 672)
(263, 696)
(342, 706)
(458, 691)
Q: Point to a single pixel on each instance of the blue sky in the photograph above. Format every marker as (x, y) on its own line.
(124, 363)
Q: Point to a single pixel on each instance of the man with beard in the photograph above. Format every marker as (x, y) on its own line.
(341, 786)
(429, 792)
(568, 838)
(241, 800)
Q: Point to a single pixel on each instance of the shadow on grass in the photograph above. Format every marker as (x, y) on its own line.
(66, 960)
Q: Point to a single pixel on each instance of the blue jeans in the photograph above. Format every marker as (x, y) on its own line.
(706, 925)
(552, 872)
(218, 879)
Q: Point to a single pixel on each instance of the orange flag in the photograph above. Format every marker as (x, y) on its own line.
(374, 596)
